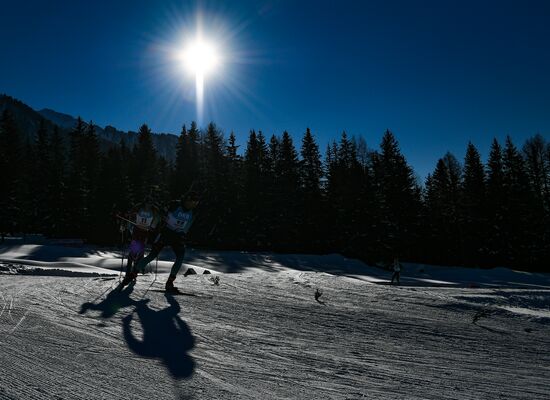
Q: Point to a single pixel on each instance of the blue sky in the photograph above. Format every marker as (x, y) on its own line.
(436, 73)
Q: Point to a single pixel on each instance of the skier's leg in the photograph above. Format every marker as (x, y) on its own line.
(137, 247)
(135, 252)
(129, 265)
(155, 250)
(179, 250)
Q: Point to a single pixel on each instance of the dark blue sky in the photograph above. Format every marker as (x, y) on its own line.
(437, 73)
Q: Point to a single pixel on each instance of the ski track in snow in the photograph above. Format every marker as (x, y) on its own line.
(263, 336)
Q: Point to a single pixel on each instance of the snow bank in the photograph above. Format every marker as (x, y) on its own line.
(13, 269)
(93, 260)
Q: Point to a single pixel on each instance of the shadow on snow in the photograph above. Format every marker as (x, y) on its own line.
(112, 303)
(165, 336)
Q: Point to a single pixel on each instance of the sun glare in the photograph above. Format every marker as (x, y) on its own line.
(200, 57)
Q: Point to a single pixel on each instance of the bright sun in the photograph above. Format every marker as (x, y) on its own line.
(200, 57)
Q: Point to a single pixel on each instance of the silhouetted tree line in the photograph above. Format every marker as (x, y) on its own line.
(355, 200)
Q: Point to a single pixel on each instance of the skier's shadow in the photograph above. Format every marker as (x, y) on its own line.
(165, 337)
(114, 301)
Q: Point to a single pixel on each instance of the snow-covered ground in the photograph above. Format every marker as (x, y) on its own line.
(445, 333)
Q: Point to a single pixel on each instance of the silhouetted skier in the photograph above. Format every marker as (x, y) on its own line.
(178, 221)
(396, 267)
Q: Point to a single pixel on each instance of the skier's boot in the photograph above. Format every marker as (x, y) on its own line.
(170, 288)
(129, 277)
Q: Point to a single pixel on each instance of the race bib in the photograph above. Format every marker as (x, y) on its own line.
(144, 219)
(179, 221)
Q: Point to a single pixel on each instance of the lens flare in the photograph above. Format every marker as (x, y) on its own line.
(200, 57)
(197, 58)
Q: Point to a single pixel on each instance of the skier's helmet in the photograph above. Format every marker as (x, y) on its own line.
(191, 199)
(154, 194)
(149, 200)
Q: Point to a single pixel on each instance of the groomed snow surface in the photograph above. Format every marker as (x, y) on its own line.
(253, 329)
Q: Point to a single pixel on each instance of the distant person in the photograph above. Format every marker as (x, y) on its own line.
(143, 223)
(396, 268)
(178, 221)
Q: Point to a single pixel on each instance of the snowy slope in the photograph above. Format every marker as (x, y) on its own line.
(104, 261)
(260, 334)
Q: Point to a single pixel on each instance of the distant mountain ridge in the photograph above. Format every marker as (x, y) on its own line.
(28, 121)
(61, 120)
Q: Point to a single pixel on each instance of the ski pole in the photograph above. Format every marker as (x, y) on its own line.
(125, 219)
(154, 280)
(121, 252)
(156, 269)
(121, 265)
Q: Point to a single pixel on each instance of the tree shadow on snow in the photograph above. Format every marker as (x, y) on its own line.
(165, 337)
(52, 253)
(114, 301)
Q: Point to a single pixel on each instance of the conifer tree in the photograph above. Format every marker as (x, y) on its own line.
(145, 165)
(29, 218)
(214, 157)
(538, 169)
(474, 221)
(337, 186)
(443, 205)
(348, 199)
(330, 168)
(56, 200)
(91, 164)
(399, 197)
(37, 195)
(496, 208)
(109, 200)
(265, 163)
(255, 165)
(125, 189)
(252, 163)
(536, 151)
(11, 156)
(214, 175)
(363, 153)
(180, 179)
(273, 154)
(286, 166)
(76, 188)
(253, 186)
(311, 207)
(232, 148)
(160, 191)
(310, 167)
(347, 153)
(284, 224)
(193, 165)
(186, 170)
(234, 206)
(518, 206)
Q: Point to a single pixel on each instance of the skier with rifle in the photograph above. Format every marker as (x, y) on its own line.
(178, 221)
(143, 223)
